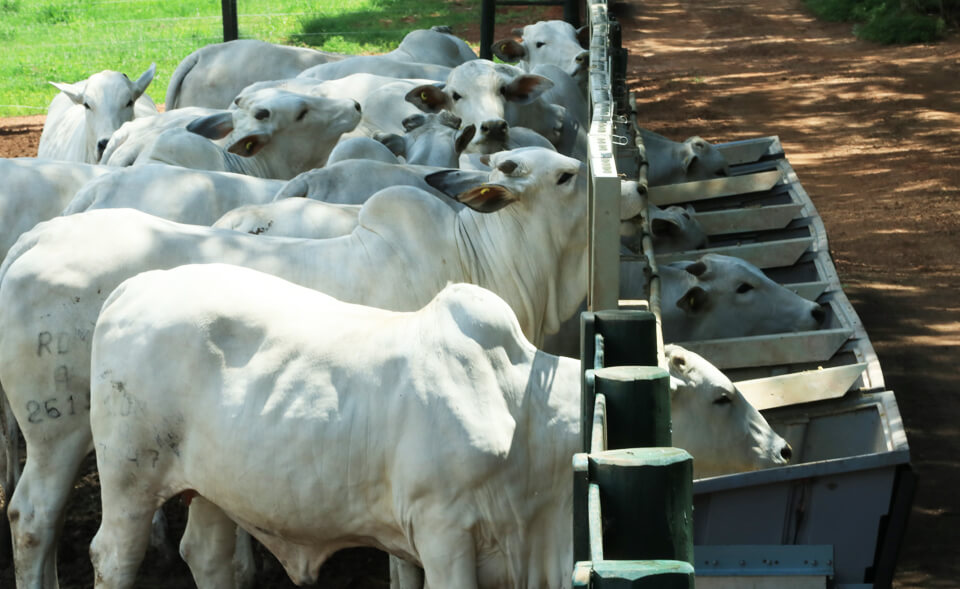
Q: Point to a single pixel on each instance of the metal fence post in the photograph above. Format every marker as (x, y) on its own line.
(230, 27)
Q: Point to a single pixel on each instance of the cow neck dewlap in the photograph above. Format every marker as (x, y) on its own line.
(498, 254)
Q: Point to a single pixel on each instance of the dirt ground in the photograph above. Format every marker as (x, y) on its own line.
(873, 133)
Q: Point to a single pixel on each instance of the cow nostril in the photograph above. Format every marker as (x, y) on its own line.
(786, 452)
(819, 314)
(356, 105)
(102, 144)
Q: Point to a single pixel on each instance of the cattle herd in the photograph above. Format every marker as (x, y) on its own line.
(327, 300)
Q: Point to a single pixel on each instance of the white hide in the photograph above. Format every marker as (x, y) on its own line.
(381, 98)
(381, 65)
(273, 133)
(360, 148)
(722, 297)
(672, 162)
(532, 252)
(481, 91)
(82, 116)
(458, 370)
(354, 181)
(128, 142)
(198, 197)
(707, 407)
(430, 139)
(292, 217)
(552, 42)
(436, 45)
(214, 75)
(673, 229)
(35, 190)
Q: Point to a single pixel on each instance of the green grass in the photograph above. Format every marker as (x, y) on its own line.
(68, 40)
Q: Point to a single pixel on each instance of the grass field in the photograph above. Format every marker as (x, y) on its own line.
(68, 40)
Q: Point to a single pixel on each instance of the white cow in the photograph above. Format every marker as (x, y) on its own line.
(553, 42)
(360, 148)
(35, 190)
(354, 181)
(198, 197)
(293, 217)
(723, 296)
(381, 65)
(83, 115)
(430, 139)
(672, 162)
(481, 91)
(212, 76)
(361, 414)
(530, 248)
(295, 132)
(674, 229)
(128, 142)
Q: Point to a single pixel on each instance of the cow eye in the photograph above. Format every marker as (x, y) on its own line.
(723, 400)
(456, 96)
(302, 114)
(129, 104)
(744, 287)
(86, 105)
(261, 114)
(564, 177)
(540, 44)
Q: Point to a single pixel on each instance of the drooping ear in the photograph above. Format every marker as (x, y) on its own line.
(72, 91)
(448, 119)
(583, 37)
(697, 268)
(526, 88)
(393, 142)
(140, 86)
(509, 50)
(518, 32)
(662, 227)
(687, 156)
(215, 126)
(428, 98)
(694, 300)
(487, 198)
(453, 182)
(412, 122)
(464, 137)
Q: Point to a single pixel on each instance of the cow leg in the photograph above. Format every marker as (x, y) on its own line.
(208, 545)
(36, 508)
(10, 470)
(449, 560)
(243, 563)
(121, 541)
(404, 574)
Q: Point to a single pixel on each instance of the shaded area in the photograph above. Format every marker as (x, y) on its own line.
(872, 133)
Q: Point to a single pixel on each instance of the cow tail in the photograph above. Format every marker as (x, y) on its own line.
(176, 81)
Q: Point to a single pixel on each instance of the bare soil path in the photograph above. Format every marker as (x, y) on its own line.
(874, 135)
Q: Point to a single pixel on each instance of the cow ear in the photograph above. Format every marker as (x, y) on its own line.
(428, 98)
(73, 92)
(664, 227)
(697, 268)
(140, 86)
(393, 142)
(583, 37)
(526, 88)
(509, 50)
(487, 198)
(215, 126)
(694, 301)
(449, 119)
(517, 32)
(413, 121)
(464, 137)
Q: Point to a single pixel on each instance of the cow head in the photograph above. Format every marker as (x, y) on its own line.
(553, 42)
(430, 139)
(715, 423)
(307, 126)
(725, 296)
(702, 160)
(108, 100)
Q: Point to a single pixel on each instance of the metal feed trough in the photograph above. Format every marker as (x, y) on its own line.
(836, 515)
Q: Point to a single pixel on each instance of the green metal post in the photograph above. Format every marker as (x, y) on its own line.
(638, 406)
(230, 27)
(647, 497)
(652, 574)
